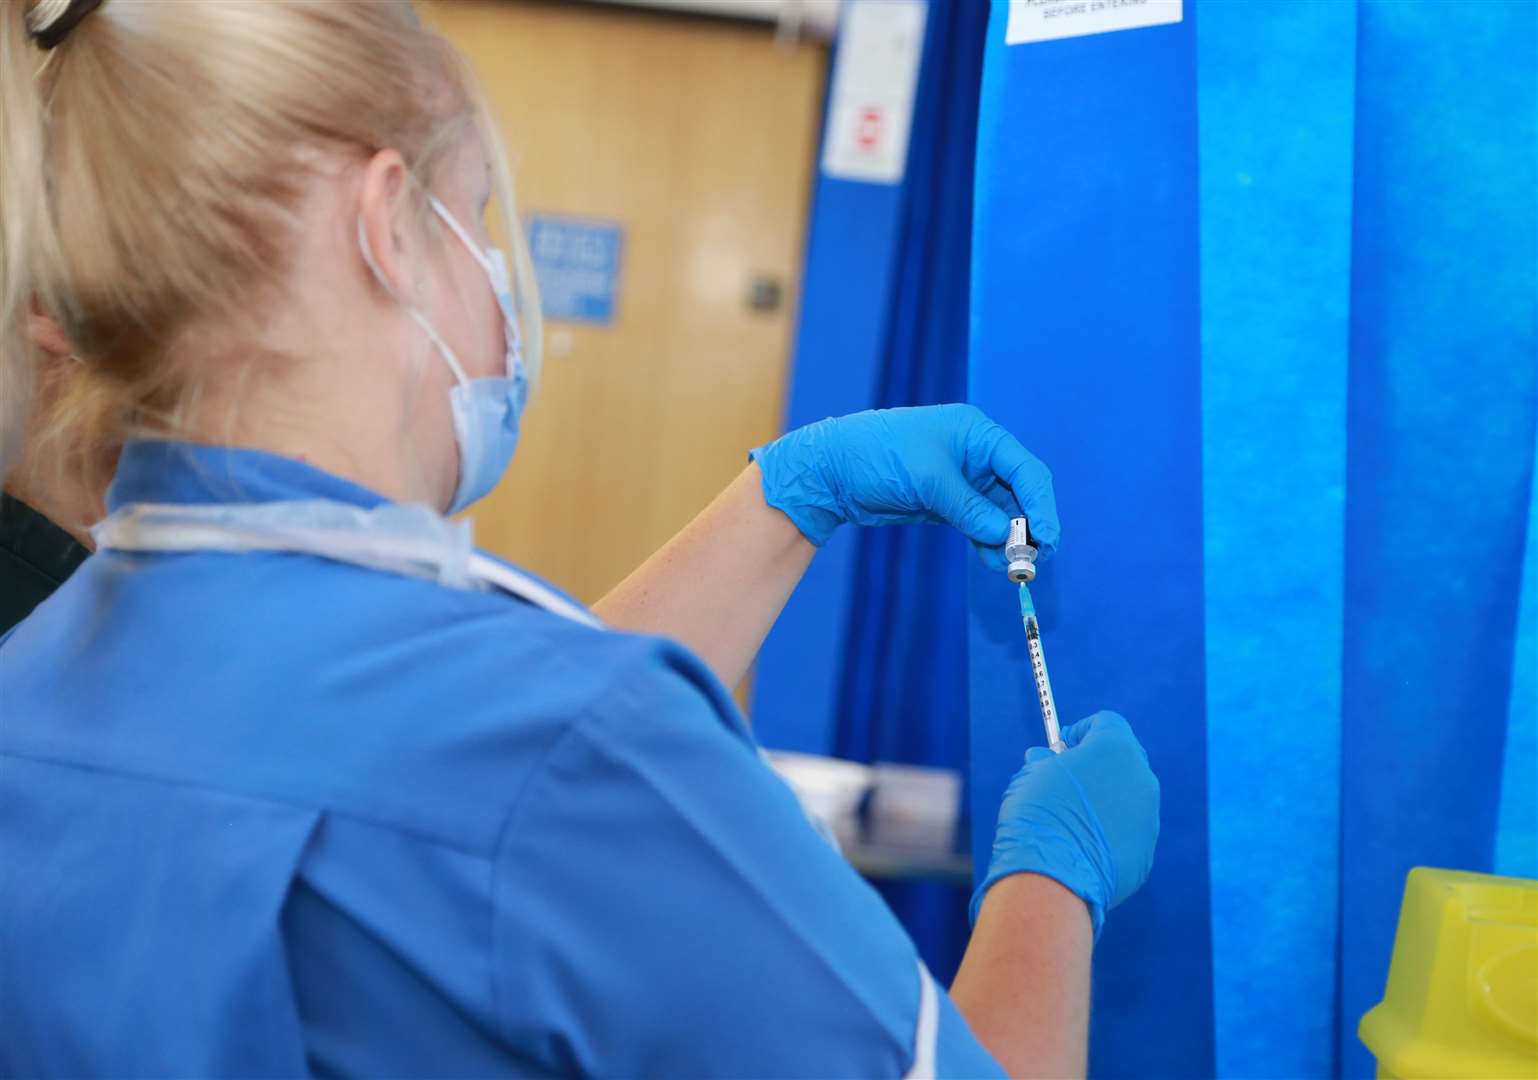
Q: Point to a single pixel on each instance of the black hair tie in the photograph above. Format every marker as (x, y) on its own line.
(52, 33)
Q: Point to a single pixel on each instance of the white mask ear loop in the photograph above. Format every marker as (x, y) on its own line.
(411, 310)
(459, 230)
(494, 263)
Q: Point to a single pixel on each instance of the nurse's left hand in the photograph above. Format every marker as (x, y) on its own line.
(939, 463)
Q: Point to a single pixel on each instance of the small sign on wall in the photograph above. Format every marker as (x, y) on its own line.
(577, 263)
(1048, 20)
(870, 104)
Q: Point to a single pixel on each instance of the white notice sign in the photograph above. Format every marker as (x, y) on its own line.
(870, 107)
(1045, 20)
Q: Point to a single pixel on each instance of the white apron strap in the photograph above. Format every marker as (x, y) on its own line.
(404, 539)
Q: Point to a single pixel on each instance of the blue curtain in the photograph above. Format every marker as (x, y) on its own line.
(1262, 288)
(854, 252)
(868, 661)
(903, 694)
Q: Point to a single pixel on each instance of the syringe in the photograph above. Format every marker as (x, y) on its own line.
(1021, 556)
(1039, 672)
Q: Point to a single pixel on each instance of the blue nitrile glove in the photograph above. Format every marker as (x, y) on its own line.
(940, 463)
(1087, 818)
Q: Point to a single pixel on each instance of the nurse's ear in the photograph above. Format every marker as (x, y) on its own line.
(382, 196)
(48, 335)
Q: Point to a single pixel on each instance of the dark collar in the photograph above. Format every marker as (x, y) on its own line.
(35, 558)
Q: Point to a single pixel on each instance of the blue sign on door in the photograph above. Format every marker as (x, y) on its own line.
(577, 263)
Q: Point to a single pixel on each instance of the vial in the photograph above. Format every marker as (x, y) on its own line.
(1019, 553)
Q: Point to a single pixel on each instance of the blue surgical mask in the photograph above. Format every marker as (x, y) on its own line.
(486, 410)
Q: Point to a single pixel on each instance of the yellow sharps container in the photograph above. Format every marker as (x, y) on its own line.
(1462, 997)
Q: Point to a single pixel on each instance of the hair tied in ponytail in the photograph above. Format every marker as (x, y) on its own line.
(50, 21)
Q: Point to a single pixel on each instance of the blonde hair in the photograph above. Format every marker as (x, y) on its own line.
(153, 163)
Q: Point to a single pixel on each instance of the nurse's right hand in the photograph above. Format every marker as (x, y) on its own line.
(946, 464)
(1088, 818)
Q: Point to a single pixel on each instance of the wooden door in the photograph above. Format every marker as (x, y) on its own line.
(698, 137)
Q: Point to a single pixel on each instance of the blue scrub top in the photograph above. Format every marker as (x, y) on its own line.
(267, 814)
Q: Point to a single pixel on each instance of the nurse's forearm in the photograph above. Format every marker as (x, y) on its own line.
(1024, 981)
(718, 585)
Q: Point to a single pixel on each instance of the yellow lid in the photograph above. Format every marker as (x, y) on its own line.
(1462, 996)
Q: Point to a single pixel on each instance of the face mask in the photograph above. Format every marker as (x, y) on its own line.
(487, 410)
